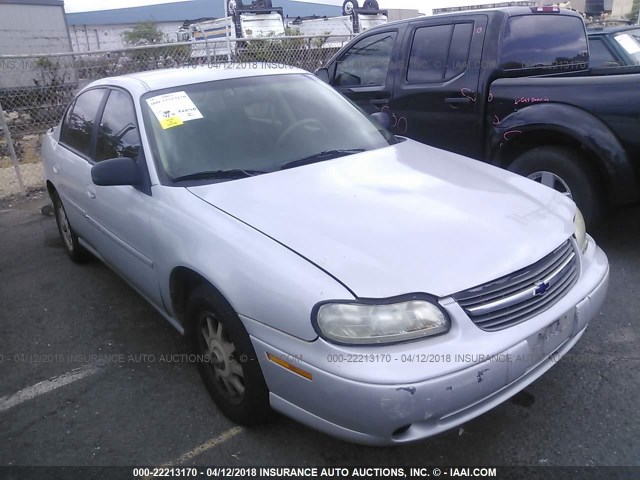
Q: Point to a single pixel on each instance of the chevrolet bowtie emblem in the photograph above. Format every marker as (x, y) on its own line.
(541, 289)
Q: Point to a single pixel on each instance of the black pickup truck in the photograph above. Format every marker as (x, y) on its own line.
(509, 86)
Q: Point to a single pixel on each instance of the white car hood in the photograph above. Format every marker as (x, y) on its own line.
(402, 219)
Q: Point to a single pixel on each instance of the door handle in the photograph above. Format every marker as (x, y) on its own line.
(379, 101)
(91, 193)
(457, 100)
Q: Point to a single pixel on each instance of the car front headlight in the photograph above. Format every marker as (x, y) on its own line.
(580, 229)
(377, 323)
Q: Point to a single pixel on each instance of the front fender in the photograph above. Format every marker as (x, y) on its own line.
(574, 124)
(260, 278)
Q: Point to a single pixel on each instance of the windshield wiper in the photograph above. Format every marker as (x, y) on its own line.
(220, 174)
(321, 157)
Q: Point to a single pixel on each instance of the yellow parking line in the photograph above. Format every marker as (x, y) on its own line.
(213, 443)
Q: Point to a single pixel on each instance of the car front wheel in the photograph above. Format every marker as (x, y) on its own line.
(226, 359)
(72, 246)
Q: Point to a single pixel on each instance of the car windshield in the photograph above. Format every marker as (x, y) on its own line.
(630, 41)
(229, 129)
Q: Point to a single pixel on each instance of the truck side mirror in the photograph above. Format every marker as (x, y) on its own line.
(323, 74)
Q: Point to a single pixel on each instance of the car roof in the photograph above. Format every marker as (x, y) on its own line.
(143, 82)
(505, 11)
(615, 29)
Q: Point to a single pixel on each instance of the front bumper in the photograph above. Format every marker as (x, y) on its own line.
(397, 394)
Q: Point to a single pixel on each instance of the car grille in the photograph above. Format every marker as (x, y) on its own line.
(522, 295)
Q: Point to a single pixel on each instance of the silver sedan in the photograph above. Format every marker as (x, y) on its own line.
(369, 286)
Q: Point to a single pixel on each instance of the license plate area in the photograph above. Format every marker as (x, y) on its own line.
(548, 339)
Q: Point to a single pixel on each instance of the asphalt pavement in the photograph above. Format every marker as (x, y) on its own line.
(91, 375)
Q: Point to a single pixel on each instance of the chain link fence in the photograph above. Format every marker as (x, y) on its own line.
(35, 90)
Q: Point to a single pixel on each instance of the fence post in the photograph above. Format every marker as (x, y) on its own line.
(206, 46)
(12, 151)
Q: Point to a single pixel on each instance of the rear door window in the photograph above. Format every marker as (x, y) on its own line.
(439, 53)
(533, 42)
(428, 58)
(78, 127)
(367, 62)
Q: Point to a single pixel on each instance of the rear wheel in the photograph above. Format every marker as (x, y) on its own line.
(72, 246)
(348, 6)
(561, 169)
(227, 361)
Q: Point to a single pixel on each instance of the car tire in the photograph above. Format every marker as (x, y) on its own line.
(72, 246)
(569, 174)
(371, 5)
(348, 6)
(226, 360)
(233, 6)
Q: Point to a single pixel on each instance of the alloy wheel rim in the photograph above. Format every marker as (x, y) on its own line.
(65, 229)
(231, 7)
(222, 358)
(551, 180)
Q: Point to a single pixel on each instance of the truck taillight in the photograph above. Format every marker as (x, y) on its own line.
(548, 9)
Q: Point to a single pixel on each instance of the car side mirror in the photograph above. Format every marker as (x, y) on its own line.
(116, 171)
(323, 74)
(382, 119)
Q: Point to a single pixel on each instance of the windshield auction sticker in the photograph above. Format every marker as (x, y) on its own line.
(628, 43)
(173, 109)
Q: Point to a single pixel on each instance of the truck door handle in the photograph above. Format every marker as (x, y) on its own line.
(457, 100)
(379, 101)
(91, 193)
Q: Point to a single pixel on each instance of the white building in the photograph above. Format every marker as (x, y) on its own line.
(621, 8)
(85, 38)
(92, 30)
(29, 27)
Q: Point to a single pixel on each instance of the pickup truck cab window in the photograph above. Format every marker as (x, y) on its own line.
(439, 52)
(562, 44)
(118, 132)
(78, 127)
(367, 62)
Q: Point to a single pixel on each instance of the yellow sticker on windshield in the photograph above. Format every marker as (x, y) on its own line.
(171, 122)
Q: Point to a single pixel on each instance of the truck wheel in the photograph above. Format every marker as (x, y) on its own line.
(562, 169)
(371, 5)
(226, 360)
(348, 6)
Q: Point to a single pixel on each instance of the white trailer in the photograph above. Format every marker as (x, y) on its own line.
(209, 38)
(338, 30)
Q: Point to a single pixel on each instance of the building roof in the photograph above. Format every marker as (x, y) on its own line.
(54, 3)
(179, 11)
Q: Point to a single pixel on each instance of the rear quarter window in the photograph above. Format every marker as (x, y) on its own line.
(532, 42)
